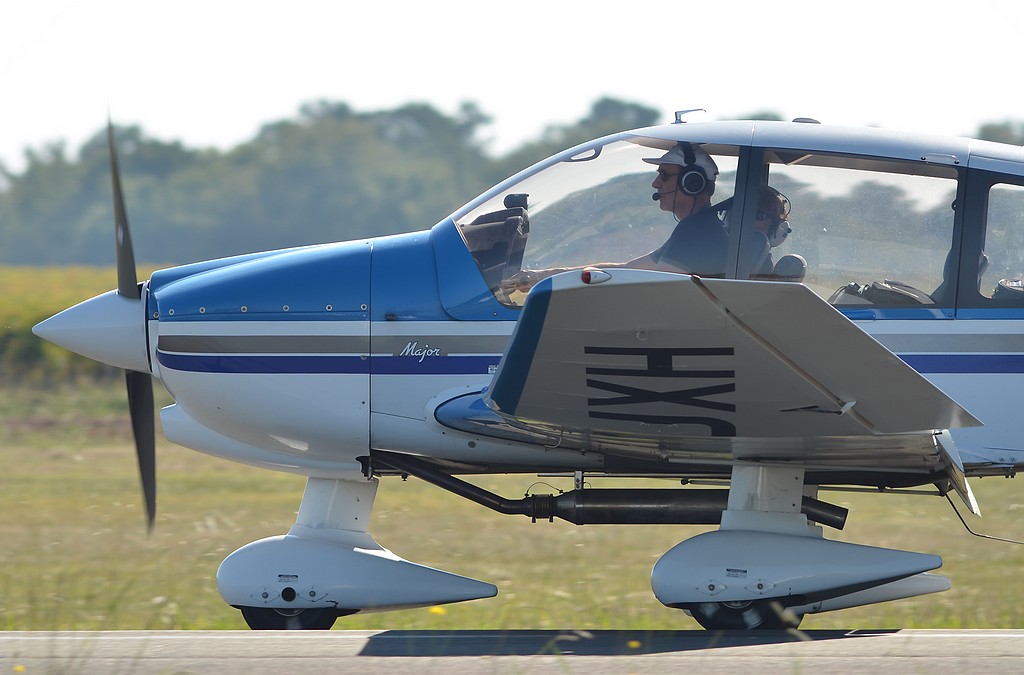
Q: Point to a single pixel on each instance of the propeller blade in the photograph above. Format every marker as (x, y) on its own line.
(127, 281)
(139, 384)
(140, 405)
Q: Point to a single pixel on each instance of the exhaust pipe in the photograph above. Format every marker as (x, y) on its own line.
(600, 506)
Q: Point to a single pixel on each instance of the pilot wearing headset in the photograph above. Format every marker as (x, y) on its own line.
(683, 187)
(697, 245)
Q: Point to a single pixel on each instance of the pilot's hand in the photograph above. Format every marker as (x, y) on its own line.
(521, 281)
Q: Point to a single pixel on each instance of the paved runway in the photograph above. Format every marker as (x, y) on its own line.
(518, 651)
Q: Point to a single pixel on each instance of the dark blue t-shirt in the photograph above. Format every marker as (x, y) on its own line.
(697, 245)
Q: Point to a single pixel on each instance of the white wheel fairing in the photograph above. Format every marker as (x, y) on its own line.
(739, 566)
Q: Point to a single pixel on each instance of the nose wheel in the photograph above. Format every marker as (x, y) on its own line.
(746, 615)
(270, 618)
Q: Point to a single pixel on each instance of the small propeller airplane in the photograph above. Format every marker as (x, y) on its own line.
(852, 348)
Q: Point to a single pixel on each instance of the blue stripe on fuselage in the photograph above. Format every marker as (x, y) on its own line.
(328, 364)
(304, 364)
(965, 363)
(483, 364)
(438, 365)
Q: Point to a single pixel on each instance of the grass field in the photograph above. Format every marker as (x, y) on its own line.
(75, 554)
(31, 294)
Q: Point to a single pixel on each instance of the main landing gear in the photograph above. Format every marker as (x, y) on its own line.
(745, 615)
(767, 566)
(328, 566)
(271, 618)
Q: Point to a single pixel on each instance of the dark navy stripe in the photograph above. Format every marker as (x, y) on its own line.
(332, 364)
(436, 365)
(965, 363)
(507, 392)
(265, 364)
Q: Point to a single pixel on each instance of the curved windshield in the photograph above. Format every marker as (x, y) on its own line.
(597, 206)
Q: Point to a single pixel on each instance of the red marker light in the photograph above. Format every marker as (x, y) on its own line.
(592, 275)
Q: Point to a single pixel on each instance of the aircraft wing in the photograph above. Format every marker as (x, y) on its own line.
(679, 367)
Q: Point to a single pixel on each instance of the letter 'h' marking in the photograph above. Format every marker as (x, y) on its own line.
(659, 364)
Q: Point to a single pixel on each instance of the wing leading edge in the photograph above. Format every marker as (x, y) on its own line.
(681, 367)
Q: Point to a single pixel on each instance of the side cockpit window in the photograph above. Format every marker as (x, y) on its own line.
(609, 204)
(868, 232)
(1001, 265)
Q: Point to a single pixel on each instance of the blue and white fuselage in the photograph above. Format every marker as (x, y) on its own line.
(419, 353)
(304, 360)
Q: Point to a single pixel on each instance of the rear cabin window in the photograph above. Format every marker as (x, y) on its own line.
(1002, 264)
(872, 232)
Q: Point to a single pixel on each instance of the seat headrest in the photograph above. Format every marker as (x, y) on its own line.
(790, 267)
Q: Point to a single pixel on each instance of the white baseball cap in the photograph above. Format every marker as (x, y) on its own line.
(688, 154)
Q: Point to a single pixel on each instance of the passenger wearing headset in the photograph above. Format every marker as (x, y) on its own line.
(697, 245)
(771, 227)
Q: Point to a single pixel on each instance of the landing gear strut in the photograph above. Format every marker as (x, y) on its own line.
(328, 566)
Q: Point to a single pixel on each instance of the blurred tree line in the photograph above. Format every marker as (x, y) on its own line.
(331, 174)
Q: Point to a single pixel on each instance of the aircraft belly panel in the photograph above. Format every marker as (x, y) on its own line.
(976, 362)
(475, 447)
(298, 388)
(990, 394)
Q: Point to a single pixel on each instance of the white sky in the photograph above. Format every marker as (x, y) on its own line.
(211, 72)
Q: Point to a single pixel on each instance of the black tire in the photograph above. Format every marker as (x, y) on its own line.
(748, 615)
(269, 618)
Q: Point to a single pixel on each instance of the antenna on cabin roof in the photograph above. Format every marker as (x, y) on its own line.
(806, 120)
(680, 114)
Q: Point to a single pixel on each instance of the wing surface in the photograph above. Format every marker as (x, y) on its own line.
(678, 366)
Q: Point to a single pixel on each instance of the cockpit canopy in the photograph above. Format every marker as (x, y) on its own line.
(878, 220)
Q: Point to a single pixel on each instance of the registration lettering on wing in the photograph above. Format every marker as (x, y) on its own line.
(640, 384)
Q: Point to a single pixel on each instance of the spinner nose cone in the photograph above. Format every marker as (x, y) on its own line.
(109, 328)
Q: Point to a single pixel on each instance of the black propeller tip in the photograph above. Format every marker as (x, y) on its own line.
(127, 281)
(140, 405)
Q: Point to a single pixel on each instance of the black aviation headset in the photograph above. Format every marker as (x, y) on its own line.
(779, 227)
(692, 180)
